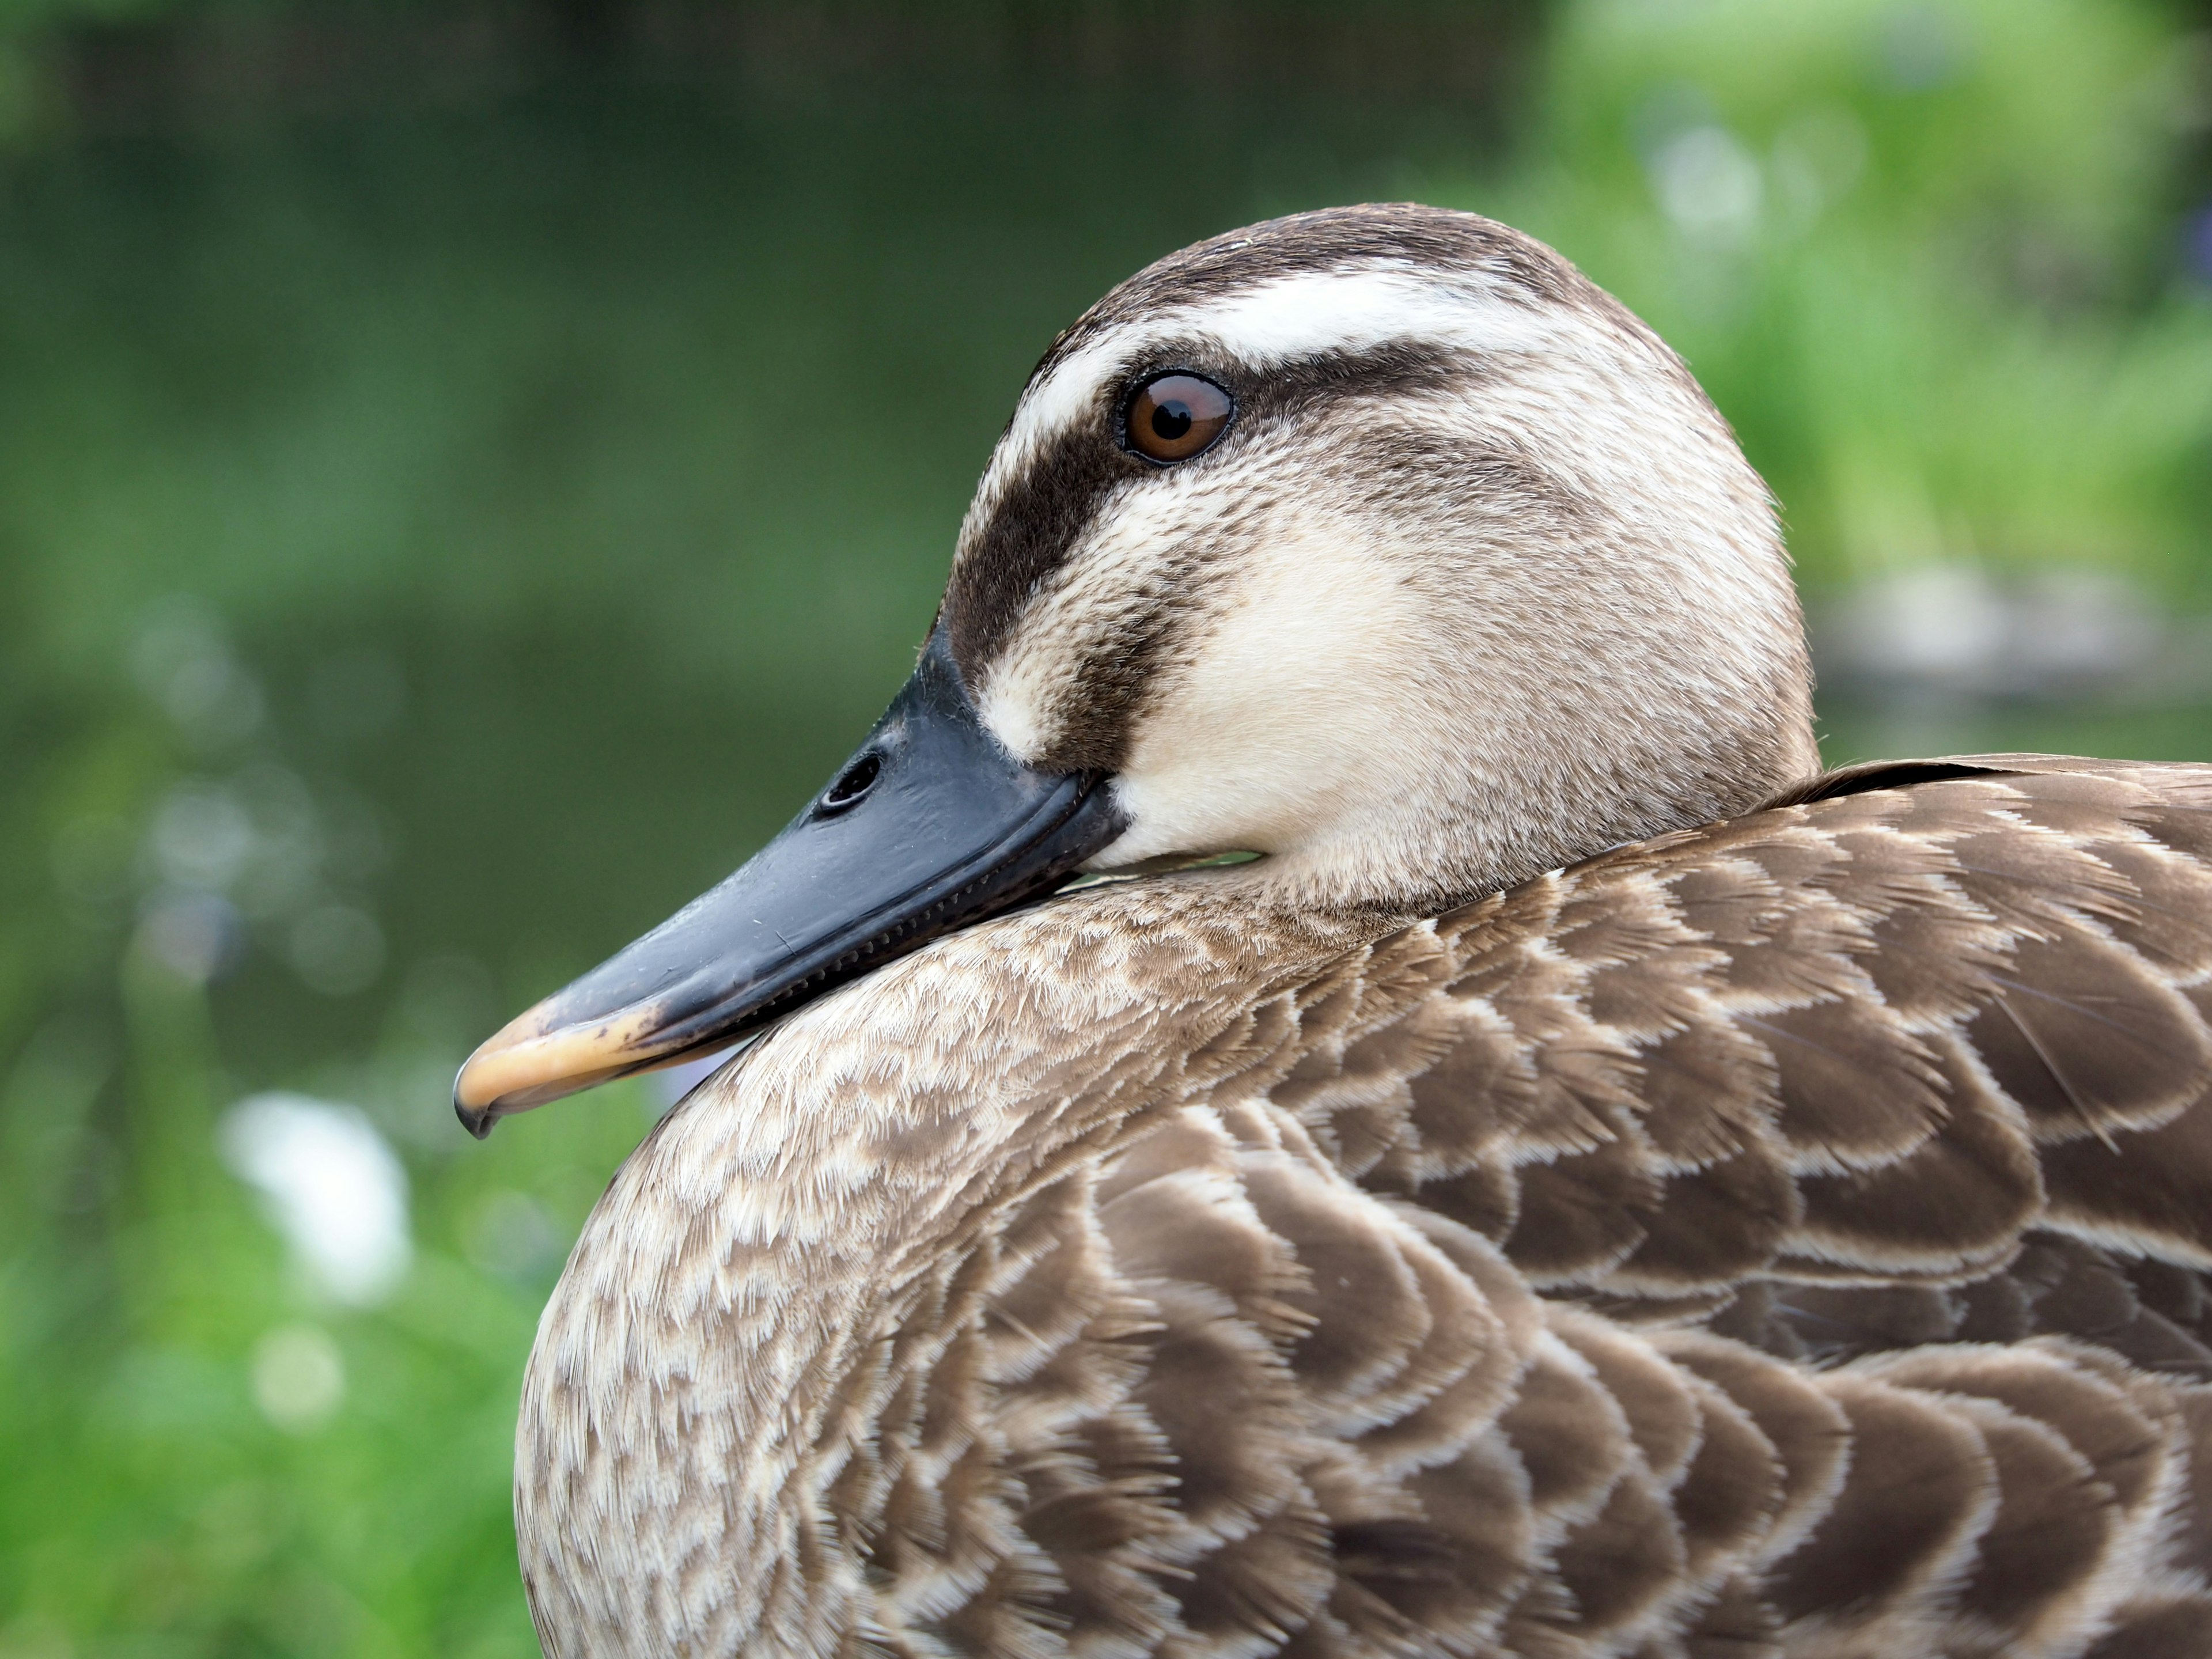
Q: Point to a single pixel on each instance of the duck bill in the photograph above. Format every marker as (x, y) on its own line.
(931, 825)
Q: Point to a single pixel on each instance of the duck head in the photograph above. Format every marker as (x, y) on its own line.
(1378, 541)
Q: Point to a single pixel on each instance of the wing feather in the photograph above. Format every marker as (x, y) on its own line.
(1788, 1237)
(1877, 1032)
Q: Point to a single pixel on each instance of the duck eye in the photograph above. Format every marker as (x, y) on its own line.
(1174, 416)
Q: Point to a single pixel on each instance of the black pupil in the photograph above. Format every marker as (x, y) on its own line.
(1172, 419)
(855, 781)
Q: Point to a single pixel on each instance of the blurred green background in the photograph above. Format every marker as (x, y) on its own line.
(467, 472)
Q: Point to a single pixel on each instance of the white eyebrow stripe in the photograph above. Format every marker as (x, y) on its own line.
(1306, 315)
(1361, 309)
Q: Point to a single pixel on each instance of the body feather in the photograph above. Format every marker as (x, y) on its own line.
(1788, 1236)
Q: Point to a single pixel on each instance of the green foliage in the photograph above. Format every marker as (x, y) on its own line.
(1921, 253)
(149, 1505)
(147, 1495)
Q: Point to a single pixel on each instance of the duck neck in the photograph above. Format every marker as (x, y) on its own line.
(803, 1238)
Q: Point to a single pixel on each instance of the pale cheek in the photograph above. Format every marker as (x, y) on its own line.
(1295, 716)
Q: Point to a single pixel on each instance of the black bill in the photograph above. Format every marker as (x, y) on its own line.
(931, 825)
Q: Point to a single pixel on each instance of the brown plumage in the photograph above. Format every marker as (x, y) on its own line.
(1785, 1237)
(1788, 1234)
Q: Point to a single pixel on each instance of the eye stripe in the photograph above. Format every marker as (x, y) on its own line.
(1045, 508)
(1040, 515)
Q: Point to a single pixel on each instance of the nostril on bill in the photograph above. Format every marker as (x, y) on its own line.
(855, 781)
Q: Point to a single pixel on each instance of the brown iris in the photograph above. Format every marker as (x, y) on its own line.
(1174, 416)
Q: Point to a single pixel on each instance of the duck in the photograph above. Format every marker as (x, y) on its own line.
(1335, 1080)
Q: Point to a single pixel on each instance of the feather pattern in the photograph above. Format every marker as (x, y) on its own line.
(1788, 1236)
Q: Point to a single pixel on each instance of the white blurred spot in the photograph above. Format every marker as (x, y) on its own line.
(287, 841)
(1818, 157)
(329, 1185)
(299, 1378)
(1708, 184)
(337, 949)
(1940, 624)
(1951, 630)
(184, 663)
(194, 935)
(202, 837)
